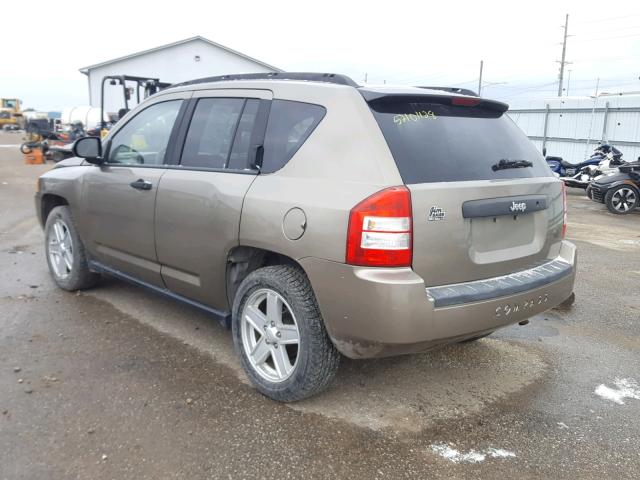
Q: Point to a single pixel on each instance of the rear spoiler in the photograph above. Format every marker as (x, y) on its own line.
(375, 97)
(460, 91)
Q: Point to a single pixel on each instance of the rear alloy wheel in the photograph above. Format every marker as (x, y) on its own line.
(622, 199)
(280, 335)
(270, 336)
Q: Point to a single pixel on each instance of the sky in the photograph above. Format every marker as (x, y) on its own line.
(400, 42)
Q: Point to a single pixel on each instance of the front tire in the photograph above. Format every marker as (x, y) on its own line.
(65, 252)
(622, 199)
(280, 335)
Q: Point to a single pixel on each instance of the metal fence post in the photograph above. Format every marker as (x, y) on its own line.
(546, 124)
(604, 123)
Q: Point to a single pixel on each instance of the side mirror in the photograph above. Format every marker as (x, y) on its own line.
(544, 152)
(89, 148)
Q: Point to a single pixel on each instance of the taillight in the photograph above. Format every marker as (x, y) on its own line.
(380, 230)
(564, 209)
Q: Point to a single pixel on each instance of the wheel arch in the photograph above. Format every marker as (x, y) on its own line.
(626, 182)
(48, 202)
(242, 260)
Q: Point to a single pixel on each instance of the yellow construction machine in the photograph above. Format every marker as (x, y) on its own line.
(11, 113)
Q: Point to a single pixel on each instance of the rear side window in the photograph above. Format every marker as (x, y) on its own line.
(290, 124)
(211, 132)
(432, 142)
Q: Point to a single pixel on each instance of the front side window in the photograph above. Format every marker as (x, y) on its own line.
(144, 139)
(290, 124)
(211, 132)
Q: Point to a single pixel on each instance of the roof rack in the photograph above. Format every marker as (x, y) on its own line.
(335, 78)
(461, 91)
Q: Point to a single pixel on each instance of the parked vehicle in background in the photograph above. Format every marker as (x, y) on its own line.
(607, 167)
(11, 113)
(54, 145)
(618, 190)
(609, 164)
(576, 174)
(316, 218)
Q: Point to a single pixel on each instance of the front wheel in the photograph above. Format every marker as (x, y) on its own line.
(622, 199)
(65, 252)
(280, 335)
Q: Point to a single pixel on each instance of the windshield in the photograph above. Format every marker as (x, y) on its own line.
(432, 142)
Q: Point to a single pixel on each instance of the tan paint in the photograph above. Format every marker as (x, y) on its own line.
(200, 216)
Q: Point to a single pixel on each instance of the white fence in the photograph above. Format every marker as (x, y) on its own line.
(571, 127)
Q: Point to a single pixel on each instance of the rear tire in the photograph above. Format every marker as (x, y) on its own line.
(622, 199)
(65, 252)
(277, 304)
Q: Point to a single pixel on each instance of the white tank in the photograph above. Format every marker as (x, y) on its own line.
(89, 116)
(36, 115)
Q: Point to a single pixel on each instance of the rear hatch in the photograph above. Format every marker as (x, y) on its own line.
(484, 201)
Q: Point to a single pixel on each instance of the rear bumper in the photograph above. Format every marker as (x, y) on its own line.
(374, 312)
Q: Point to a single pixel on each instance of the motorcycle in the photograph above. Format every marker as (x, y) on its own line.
(609, 164)
(576, 174)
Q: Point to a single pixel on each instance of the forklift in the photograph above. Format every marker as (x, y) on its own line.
(44, 144)
(146, 86)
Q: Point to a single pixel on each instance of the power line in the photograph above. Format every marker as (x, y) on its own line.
(594, 20)
(599, 39)
(528, 90)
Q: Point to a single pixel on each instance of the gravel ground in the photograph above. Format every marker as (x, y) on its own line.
(119, 383)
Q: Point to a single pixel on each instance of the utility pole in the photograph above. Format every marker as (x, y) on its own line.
(593, 112)
(563, 62)
(480, 79)
(568, 83)
(365, 78)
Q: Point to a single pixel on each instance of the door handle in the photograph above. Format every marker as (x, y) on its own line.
(141, 184)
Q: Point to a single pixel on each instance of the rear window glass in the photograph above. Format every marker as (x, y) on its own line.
(431, 142)
(290, 124)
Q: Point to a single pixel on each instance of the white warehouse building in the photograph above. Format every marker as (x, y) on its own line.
(195, 57)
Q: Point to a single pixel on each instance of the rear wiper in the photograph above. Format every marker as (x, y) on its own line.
(504, 164)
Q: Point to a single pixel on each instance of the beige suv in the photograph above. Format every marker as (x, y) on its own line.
(316, 218)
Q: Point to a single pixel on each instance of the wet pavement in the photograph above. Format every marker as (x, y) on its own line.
(116, 382)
